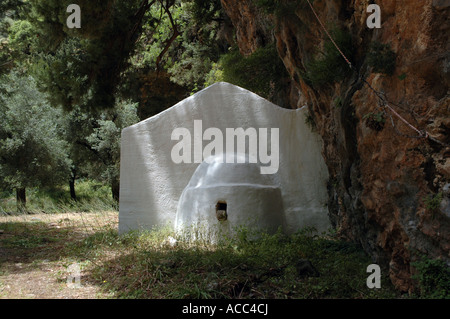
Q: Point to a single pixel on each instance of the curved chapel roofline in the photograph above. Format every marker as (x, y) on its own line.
(218, 88)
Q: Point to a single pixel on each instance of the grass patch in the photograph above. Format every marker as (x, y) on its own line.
(26, 235)
(91, 197)
(145, 265)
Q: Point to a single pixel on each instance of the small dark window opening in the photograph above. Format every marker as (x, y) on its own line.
(221, 211)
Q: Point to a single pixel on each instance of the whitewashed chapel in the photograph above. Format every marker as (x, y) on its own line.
(223, 157)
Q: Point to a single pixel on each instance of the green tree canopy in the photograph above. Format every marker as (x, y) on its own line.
(32, 152)
(84, 66)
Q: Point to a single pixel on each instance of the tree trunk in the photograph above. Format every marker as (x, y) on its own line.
(115, 187)
(21, 199)
(72, 189)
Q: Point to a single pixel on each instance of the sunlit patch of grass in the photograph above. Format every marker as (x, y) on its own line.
(91, 197)
(147, 265)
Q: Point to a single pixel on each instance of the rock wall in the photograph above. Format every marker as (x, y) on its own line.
(380, 177)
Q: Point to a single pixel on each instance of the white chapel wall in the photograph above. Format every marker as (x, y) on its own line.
(151, 183)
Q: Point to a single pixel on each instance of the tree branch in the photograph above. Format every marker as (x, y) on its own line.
(138, 16)
(169, 41)
(6, 63)
(89, 147)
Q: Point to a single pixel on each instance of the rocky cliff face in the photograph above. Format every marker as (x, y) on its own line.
(387, 190)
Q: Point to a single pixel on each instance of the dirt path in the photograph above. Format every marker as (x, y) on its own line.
(33, 263)
(41, 281)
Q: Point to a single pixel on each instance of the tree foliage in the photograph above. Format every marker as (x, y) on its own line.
(93, 56)
(10, 11)
(105, 141)
(328, 66)
(32, 151)
(262, 72)
(201, 45)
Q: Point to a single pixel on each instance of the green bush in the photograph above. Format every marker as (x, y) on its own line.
(280, 8)
(262, 72)
(434, 278)
(215, 75)
(329, 66)
(309, 120)
(381, 58)
(432, 202)
(268, 6)
(374, 120)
